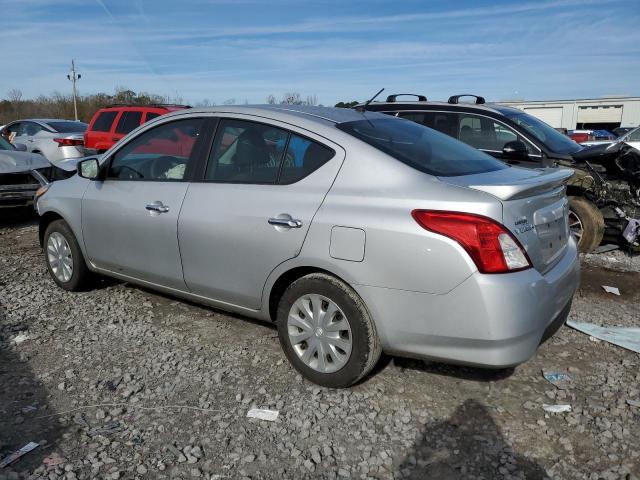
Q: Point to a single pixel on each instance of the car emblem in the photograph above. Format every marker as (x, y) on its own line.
(522, 225)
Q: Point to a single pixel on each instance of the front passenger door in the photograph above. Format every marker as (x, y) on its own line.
(130, 218)
(491, 136)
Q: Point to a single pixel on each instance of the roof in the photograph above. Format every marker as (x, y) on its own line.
(325, 115)
(46, 120)
(481, 106)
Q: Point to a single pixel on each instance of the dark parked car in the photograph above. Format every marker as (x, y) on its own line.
(604, 192)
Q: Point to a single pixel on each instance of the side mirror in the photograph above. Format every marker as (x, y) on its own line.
(21, 147)
(515, 150)
(89, 168)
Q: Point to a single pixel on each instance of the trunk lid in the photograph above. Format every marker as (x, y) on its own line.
(535, 208)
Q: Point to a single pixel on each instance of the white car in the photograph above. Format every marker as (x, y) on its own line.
(54, 139)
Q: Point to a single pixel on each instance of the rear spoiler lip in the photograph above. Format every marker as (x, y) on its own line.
(551, 179)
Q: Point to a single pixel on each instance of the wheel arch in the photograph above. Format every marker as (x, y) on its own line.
(45, 220)
(286, 278)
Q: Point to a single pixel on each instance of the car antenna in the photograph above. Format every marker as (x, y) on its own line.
(362, 108)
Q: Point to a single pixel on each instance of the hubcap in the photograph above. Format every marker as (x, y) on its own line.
(59, 257)
(319, 333)
(575, 226)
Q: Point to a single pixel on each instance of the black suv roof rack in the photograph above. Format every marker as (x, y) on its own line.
(392, 98)
(456, 98)
(153, 105)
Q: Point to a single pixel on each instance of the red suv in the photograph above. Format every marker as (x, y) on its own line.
(110, 124)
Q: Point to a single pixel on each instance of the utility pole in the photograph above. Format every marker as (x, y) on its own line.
(74, 77)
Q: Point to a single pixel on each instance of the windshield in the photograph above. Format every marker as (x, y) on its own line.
(551, 138)
(422, 148)
(68, 127)
(5, 145)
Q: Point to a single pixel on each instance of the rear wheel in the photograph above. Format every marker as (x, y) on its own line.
(586, 223)
(326, 332)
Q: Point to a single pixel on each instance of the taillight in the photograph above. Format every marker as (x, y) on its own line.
(491, 246)
(68, 142)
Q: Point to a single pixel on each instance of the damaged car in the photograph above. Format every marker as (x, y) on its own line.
(21, 175)
(604, 192)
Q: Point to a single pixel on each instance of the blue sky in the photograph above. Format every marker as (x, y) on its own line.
(335, 49)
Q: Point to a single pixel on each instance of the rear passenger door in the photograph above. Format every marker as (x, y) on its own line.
(128, 121)
(252, 207)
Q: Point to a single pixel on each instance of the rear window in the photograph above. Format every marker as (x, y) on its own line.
(422, 148)
(128, 121)
(68, 127)
(104, 121)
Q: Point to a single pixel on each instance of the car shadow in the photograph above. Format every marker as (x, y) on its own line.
(456, 371)
(25, 413)
(467, 445)
(17, 217)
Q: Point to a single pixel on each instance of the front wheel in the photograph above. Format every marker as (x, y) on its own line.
(326, 332)
(65, 261)
(586, 223)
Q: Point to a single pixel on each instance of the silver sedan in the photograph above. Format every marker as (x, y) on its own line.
(56, 140)
(355, 232)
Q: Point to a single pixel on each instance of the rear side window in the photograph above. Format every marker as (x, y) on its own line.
(151, 116)
(128, 121)
(422, 148)
(246, 152)
(104, 121)
(303, 157)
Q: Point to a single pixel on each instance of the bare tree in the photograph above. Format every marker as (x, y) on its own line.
(14, 95)
(229, 101)
(292, 98)
(311, 100)
(271, 99)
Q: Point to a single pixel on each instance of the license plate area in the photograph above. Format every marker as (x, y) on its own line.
(552, 227)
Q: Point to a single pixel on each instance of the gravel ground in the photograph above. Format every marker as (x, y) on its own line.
(174, 382)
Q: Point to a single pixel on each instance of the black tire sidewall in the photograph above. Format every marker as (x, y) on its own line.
(80, 271)
(358, 321)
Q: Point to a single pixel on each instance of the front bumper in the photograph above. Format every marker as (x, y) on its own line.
(19, 189)
(492, 321)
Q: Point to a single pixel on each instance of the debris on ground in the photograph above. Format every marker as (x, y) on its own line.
(18, 453)
(262, 414)
(633, 403)
(53, 459)
(613, 290)
(109, 428)
(20, 338)
(561, 380)
(556, 408)
(625, 337)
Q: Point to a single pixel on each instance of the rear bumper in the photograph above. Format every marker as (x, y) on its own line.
(490, 321)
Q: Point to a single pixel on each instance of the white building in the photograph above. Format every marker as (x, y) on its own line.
(607, 112)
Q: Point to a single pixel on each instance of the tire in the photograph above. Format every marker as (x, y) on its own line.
(348, 337)
(585, 217)
(78, 277)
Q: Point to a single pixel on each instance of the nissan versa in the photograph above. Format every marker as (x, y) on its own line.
(355, 232)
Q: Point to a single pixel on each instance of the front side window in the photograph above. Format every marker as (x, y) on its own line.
(486, 134)
(162, 153)
(104, 121)
(128, 122)
(633, 136)
(246, 152)
(422, 148)
(549, 136)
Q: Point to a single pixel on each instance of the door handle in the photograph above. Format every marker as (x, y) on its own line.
(157, 207)
(285, 222)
